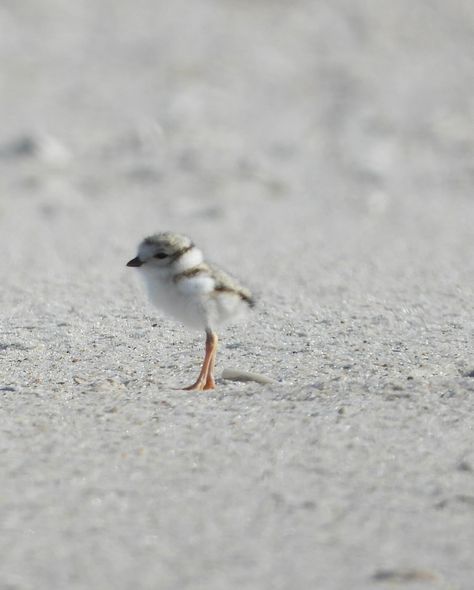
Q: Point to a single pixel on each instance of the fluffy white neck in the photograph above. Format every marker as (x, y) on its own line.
(188, 260)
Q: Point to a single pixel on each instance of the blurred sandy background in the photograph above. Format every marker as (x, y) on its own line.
(323, 152)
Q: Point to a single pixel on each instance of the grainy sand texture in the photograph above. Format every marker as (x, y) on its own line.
(323, 152)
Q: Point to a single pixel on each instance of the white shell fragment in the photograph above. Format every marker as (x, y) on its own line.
(238, 375)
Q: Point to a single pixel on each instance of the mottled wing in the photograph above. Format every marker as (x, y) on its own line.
(224, 282)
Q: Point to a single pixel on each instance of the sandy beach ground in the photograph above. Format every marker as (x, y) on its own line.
(323, 152)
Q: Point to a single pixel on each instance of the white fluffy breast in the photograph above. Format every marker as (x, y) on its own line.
(184, 302)
(199, 285)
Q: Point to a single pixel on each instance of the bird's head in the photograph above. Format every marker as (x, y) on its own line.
(161, 250)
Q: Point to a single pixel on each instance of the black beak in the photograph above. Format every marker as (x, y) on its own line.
(135, 262)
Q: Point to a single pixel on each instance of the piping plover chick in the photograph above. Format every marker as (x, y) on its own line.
(198, 294)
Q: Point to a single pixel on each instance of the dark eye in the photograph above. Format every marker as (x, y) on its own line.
(161, 255)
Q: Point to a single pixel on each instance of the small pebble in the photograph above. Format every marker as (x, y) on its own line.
(465, 466)
(45, 148)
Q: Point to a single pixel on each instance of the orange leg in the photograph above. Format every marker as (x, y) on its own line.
(210, 383)
(205, 379)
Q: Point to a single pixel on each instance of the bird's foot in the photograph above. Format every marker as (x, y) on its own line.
(202, 385)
